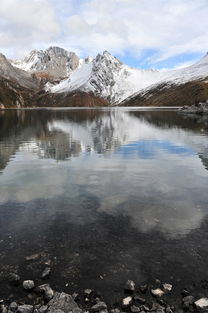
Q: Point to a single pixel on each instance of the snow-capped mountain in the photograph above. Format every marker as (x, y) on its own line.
(175, 87)
(63, 74)
(107, 77)
(54, 61)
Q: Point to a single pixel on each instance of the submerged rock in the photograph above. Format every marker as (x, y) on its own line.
(87, 292)
(13, 306)
(129, 286)
(115, 310)
(99, 306)
(185, 293)
(43, 309)
(47, 291)
(28, 284)
(143, 288)
(126, 301)
(167, 287)
(187, 301)
(168, 310)
(14, 279)
(46, 273)
(75, 296)
(25, 308)
(157, 292)
(139, 300)
(3, 309)
(201, 303)
(32, 257)
(134, 309)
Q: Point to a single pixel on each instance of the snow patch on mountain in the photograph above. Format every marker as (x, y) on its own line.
(197, 71)
(107, 77)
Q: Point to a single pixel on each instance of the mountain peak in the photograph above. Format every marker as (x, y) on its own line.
(107, 58)
(54, 61)
(107, 53)
(3, 58)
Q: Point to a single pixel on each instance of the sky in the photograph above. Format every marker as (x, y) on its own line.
(144, 34)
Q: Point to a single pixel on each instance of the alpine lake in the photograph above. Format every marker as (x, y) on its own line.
(103, 196)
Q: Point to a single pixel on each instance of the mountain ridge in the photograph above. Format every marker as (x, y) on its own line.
(56, 75)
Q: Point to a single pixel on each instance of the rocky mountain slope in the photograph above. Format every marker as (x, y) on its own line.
(19, 88)
(10, 72)
(58, 77)
(54, 61)
(107, 77)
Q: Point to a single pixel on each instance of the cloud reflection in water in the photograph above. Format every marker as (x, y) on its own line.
(134, 167)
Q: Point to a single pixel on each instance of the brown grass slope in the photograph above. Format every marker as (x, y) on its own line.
(73, 99)
(171, 95)
(13, 95)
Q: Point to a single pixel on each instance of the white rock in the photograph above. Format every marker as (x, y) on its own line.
(202, 303)
(167, 287)
(157, 292)
(28, 284)
(126, 301)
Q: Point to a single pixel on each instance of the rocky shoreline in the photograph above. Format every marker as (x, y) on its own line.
(198, 108)
(136, 298)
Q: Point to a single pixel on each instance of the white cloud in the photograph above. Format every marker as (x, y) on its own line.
(169, 28)
(25, 24)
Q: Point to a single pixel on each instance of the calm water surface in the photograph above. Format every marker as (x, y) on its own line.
(106, 195)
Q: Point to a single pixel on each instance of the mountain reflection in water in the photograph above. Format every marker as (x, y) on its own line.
(125, 191)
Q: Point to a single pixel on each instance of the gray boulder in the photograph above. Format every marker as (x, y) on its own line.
(129, 286)
(99, 307)
(13, 306)
(46, 290)
(25, 308)
(63, 303)
(188, 301)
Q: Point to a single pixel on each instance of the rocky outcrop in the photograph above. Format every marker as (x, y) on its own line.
(197, 108)
(106, 77)
(62, 303)
(54, 61)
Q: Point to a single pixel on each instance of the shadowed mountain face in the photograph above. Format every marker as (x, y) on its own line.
(21, 77)
(121, 191)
